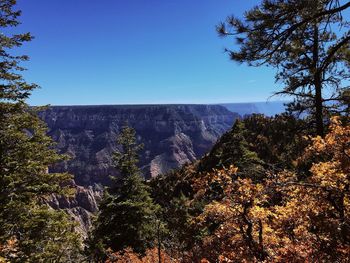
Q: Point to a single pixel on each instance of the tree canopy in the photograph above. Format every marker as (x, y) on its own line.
(30, 231)
(127, 217)
(307, 41)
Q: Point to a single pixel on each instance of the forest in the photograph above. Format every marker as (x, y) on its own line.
(272, 189)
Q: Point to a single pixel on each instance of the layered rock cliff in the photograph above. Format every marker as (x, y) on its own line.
(172, 136)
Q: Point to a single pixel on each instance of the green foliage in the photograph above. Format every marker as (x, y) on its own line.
(175, 194)
(13, 86)
(30, 231)
(128, 216)
(257, 143)
(345, 100)
(179, 223)
(236, 149)
(126, 160)
(41, 233)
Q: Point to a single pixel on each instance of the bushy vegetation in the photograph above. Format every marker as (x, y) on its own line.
(288, 202)
(268, 213)
(273, 189)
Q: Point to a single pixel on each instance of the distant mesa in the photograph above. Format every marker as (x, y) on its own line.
(172, 135)
(268, 108)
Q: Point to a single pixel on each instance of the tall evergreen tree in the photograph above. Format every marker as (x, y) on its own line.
(127, 215)
(308, 42)
(30, 231)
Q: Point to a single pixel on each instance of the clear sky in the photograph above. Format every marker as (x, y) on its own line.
(136, 51)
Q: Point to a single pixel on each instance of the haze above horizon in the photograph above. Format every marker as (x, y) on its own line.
(136, 52)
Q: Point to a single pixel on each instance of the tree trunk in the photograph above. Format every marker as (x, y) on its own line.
(319, 106)
(318, 102)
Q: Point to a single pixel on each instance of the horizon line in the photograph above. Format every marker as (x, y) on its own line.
(159, 104)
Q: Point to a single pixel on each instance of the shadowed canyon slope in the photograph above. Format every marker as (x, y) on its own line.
(172, 136)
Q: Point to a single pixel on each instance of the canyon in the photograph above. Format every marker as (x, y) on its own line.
(172, 135)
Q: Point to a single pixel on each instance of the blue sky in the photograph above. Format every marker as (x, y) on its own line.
(136, 52)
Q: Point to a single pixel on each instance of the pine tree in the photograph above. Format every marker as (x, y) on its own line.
(233, 147)
(30, 231)
(307, 41)
(127, 215)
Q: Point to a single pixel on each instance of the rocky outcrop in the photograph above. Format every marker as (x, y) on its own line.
(81, 206)
(172, 136)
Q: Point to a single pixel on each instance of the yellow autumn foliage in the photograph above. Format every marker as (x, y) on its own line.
(285, 217)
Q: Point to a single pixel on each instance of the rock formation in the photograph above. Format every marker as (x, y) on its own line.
(172, 136)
